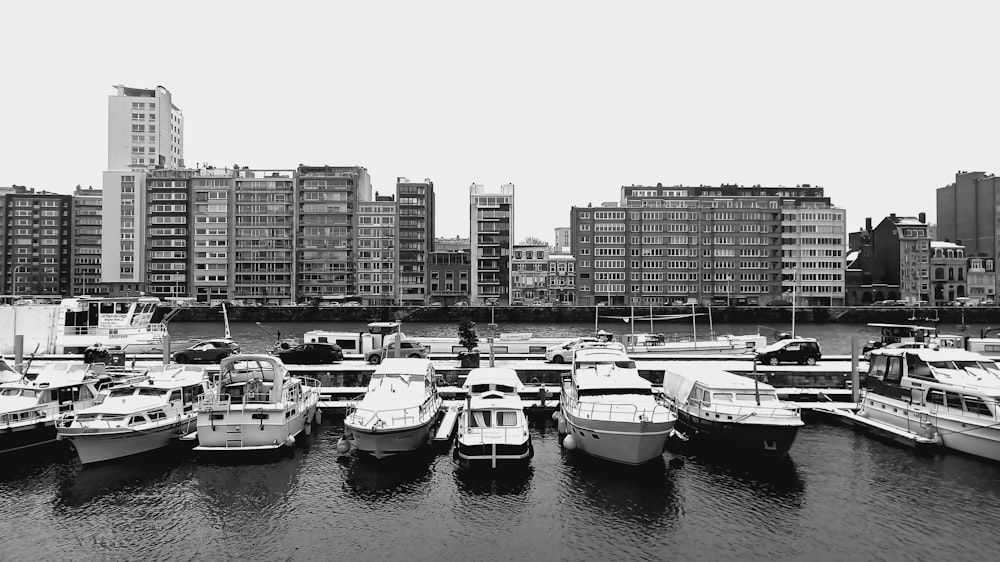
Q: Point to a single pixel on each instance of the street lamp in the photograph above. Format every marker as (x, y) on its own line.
(493, 326)
(13, 278)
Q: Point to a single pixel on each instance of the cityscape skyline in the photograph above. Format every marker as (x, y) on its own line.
(566, 114)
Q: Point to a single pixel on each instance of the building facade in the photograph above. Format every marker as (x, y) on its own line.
(449, 272)
(415, 228)
(123, 225)
(167, 233)
(948, 273)
(561, 279)
(213, 234)
(145, 129)
(86, 243)
(529, 275)
(813, 252)
(264, 238)
(376, 251)
(491, 224)
(890, 261)
(35, 228)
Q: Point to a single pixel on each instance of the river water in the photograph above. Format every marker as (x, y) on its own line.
(839, 496)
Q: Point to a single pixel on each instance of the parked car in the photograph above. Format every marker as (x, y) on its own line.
(792, 350)
(408, 348)
(207, 351)
(563, 353)
(316, 353)
(461, 303)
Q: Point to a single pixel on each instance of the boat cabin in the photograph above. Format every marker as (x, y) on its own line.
(903, 374)
(378, 335)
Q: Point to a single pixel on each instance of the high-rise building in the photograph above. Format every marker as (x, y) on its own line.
(35, 229)
(123, 243)
(376, 254)
(213, 234)
(813, 248)
(145, 129)
(263, 237)
(491, 224)
(167, 233)
(86, 243)
(415, 230)
(326, 202)
(967, 213)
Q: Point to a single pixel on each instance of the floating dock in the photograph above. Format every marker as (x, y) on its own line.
(850, 416)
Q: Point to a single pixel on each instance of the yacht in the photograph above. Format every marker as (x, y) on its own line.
(493, 427)
(255, 404)
(734, 411)
(29, 409)
(950, 395)
(138, 416)
(607, 410)
(396, 412)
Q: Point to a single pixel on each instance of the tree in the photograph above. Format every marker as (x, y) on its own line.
(532, 241)
(467, 336)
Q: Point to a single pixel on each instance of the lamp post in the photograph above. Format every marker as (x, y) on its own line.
(13, 278)
(493, 326)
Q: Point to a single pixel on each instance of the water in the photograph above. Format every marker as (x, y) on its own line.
(834, 339)
(840, 496)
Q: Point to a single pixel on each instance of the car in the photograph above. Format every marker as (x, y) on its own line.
(987, 302)
(409, 348)
(461, 303)
(780, 302)
(313, 353)
(207, 351)
(804, 351)
(563, 353)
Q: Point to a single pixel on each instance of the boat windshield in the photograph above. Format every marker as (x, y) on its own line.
(26, 392)
(614, 391)
(152, 392)
(121, 392)
(489, 418)
(981, 364)
(748, 397)
(623, 364)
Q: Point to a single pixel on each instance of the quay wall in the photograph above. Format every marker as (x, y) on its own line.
(556, 314)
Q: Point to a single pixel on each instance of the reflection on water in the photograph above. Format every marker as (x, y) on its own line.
(371, 479)
(116, 478)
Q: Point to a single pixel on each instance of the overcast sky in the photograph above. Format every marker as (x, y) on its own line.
(878, 102)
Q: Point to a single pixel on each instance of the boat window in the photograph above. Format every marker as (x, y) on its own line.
(152, 392)
(953, 400)
(175, 396)
(113, 418)
(878, 366)
(752, 397)
(722, 397)
(479, 388)
(156, 415)
(920, 368)
(935, 397)
(121, 308)
(137, 420)
(191, 393)
(107, 307)
(506, 418)
(86, 417)
(121, 392)
(894, 372)
(85, 393)
(976, 364)
(975, 405)
(482, 419)
(706, 398)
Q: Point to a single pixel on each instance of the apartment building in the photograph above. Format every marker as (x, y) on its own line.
(85, 243)
(145, 129)
(212, 234)
(981, 279)
(415, 229)
(562, 237)
(491, 223)
(449, 276)
(890, 261)
(166, 233)
(123, 243)
(376, 253)
(529, 274)
(326, 202)
(948, 273)
(561, 279)
(813, 252)
(35, 229)
(263, 225)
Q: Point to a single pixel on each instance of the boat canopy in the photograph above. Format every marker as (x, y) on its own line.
(407, 368)
(63, 374)
(498, 376)
(678, 381)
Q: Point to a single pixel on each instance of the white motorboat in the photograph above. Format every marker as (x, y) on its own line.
(255, 404)
(138, 416)
(736, 412)
(607, 410)
(950, 395)
(29, 409)
(493, 428)
(396, 412)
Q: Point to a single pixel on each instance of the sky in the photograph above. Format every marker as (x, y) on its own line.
(880, 103)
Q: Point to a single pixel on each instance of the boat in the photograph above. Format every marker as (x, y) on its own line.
(76, 323)
(608, 411)
(138, 416)
(732, 411)
(253, 404)
(493, 428)
(950, 395)
(29, 409)
(678, 343)
(396, 412)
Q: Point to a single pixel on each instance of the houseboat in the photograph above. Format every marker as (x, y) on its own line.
(492, 427)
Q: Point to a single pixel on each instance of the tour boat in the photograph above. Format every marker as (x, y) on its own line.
(736, 412)
(950, 395)
(29, 409)
(607, 410)
(138, 416)
(255, 404)
(73, 325)
(493, 427)
(396, 412)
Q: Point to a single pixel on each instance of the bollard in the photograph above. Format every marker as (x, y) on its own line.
(166, 349)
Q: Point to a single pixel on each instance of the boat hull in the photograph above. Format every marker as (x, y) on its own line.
(101, 446)
(966, 434)
(757, 439)
(631, 443)
(16, 438)
(493, 454)
(385, 443)
(237, 429)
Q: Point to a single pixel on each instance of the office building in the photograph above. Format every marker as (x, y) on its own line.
(491, 223)
(967, 213)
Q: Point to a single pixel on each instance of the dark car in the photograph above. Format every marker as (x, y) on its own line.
(804, 351)
(311, 354)
(207, 351)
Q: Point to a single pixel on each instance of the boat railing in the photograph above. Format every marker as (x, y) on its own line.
(377, 419)
(741, 411)
(32, 414)
(505, 433)
(621, 412)
(213, 401)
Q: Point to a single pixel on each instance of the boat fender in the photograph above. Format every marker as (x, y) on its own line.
(319, 417)
(308, 429)
(343, 445)
(290, 441)
(561, 426)
(569, 443)
(555, 415)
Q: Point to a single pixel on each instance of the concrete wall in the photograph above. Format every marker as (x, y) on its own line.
(36, 323)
